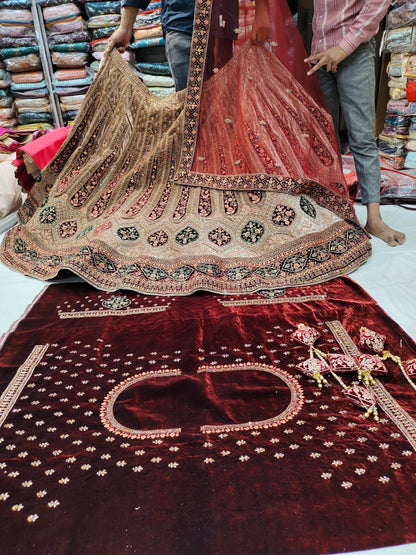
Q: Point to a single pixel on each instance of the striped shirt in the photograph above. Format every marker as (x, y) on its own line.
(345, 23)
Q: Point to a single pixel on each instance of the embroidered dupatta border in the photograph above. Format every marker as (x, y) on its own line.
(20, 380)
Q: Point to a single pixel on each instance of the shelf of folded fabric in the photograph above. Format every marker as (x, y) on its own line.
(397, 142)
(69, 47)
(149, 48)
(103, 19)
(19, 51)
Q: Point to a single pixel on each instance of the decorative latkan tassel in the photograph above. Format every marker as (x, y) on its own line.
(364, 398)
(313, 367)
(374, 341)
(359, 395)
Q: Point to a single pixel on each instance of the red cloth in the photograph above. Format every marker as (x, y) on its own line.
(411, 91)
(324, 480)
(41, 150)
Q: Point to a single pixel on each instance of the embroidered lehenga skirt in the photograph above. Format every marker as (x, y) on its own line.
(231, 186)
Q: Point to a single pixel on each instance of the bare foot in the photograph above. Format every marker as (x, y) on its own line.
(375, 226)
(385, 233)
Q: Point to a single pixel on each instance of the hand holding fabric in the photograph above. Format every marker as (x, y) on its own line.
(261, 28)
(329, 58)
(121, 37)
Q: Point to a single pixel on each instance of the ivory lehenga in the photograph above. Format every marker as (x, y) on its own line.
(232, 186)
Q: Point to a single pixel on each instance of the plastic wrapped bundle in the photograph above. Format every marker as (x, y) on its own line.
(70, 47)
(6, 101)
(162, 92)
(402, 39)
(69, 59)
(4, 79)
(103, 32)
(23, 63)
(148, 32)
(32, 105)
(106, 20)
(63, 19)
(16, 23)
(154, 69)
(157, 80)
(396, 66)
(11, 52)
(34, 117)
(410, 160)
(69, 38)
(101, 8)
(398, 107)
(69, 103)
(402, 15)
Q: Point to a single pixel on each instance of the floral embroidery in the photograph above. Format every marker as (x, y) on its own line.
(252, 232)
(283, 215)
(116, 302)
(204, 205)
(48, 215)
(307, 207)
(67, 229)
(219, 236)
(182, 273)
(158, 238)
(187, 235)
(128, 233)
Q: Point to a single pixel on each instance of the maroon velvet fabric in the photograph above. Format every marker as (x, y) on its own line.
(324, 480)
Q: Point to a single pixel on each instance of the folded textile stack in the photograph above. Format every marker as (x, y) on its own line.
(103, 19)
(19, 52)
(149, 46)
(69, 45)
(397, 142)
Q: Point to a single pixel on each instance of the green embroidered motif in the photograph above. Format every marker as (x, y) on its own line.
(19, 245)
(269, 272)
(319, 253)
(209, 269)
(295, 263)
(128, 233)
(182, 273)
(252, 232)
(187, 235)
(116, 302)
(48, 215)
(307, 207)
(103, 263)
(153, 273)
(237, 273)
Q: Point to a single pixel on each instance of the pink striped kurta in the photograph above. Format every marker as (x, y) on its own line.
(346, 23)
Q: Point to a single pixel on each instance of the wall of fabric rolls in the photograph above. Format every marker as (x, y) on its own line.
(50, 51)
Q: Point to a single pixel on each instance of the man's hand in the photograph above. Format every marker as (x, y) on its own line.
(330, 58)
(119, 39)
(261, 28)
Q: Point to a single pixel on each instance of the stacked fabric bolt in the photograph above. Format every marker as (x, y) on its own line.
(397, 142)
(149, 46)
(20, 55)
(69, 44)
